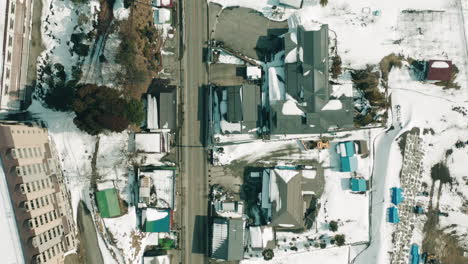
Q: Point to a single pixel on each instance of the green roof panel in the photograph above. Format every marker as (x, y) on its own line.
(108, 203)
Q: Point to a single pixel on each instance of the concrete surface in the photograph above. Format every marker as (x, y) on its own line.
(254, 28)
(193, 156)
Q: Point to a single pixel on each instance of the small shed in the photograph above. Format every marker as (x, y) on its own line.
(393, 215)
(439, 70)
(291, 3)
(348, 164)
(108, 203)
(156, 220)
(414, 257)
(397, 195)
(358, 185)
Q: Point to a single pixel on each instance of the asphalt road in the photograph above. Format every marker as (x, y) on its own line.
(193, 155)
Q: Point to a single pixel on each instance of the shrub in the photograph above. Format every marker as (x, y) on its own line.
(323, 2)
(336, 67)
(268, 254)
(333, 226)
(134, 111)
(340, 240)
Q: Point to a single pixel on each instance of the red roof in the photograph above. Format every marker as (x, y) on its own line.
(439, 70)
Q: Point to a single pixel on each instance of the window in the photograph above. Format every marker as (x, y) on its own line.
(22, 188)
(42, 184)
(31, 223)
(30, 151)
(41, 219)
(20, 153)
(35, 221)
(12, 10)
(8, 70)
(12, 23)
(33, 206)
(29, 169)
(10, 41)
(28, 188)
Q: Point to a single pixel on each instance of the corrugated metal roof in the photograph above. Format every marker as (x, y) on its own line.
(234, 104)
(228, 239)
(397, 195)
(108, 203)
(167, 104)
(358, 185)
(348, 164)
(393, 215)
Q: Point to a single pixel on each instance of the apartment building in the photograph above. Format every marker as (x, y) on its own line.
(40, 199)
(15, 29)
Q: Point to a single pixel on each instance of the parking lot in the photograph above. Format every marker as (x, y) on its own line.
(246, 31)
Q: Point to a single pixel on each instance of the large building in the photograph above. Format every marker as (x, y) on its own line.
(15, 28)
(38, 194)
(305, 106)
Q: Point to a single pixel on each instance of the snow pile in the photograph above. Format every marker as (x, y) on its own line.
(309, 174)
(333, 105)
(290, 108)
(440, 64)
(286, 175)
(155, 214)
(226, 58)
(120, 12)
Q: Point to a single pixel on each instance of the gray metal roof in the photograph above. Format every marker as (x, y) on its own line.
(251, 104)
(292, 204)
(234, 104)
(167, 105)
(228, 244)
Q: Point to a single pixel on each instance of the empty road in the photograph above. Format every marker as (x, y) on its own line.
(193, 155)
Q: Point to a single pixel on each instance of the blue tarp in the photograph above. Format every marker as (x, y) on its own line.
(348, 164)
(414, 257)
(358, 185)
(393, 215)
(397, 195)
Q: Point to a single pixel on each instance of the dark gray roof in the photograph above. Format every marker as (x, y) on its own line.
(251, 104)
(307, 78)
(232, 246)
(167, 107)
(292, 204)
(312, 123)
(234, 104)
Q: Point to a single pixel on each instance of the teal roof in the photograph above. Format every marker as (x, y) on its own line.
(358, 185)
(397, 195)
(414, 258)
(108, 203)
(348, 164)
(162, 225)
(393, 215)
(350, 150)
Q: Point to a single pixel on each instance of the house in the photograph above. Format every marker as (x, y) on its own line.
(414, 256)
(358, 184)
(393, 215)
(348, 159)
(439, 70)
(291, 3)
(163, 3)
(162, 16)
(161, 108)
(236, 109)
(228, 239)
(397, 195)
(152, 142)
(156, 187)
(303, 106)
(285, 194)
(156, 220)
(108, 203)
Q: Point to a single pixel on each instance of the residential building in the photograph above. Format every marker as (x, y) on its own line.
(38, 194)
(161, 108)
(439, 70)
(236, 109)
(108, 203)
(152, 142)
(285, 196)
(305, 106)
(15, 26)
(156, 188)
(262, 237)
(228, 239)
(156, 220)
